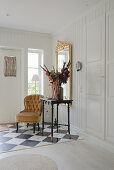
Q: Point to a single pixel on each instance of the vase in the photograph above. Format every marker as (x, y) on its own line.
(60, 93)
(55, 90)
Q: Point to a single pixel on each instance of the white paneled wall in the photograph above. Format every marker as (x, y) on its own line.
(92, 39)
(110, 77)
(95, 64)
(21, 40)
(10, 88)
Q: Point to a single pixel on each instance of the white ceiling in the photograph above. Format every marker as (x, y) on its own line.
(47, 16)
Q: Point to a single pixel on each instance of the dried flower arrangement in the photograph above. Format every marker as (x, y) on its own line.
(62, 76)
(57, 78)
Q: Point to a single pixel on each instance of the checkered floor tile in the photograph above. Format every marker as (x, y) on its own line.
(25, 138)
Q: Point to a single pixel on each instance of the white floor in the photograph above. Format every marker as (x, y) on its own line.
(76, 155)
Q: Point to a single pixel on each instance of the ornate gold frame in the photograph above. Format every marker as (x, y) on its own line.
(61, 46)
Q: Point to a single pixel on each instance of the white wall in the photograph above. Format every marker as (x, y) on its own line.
(93, 107)
(13, 90)
(9, 88)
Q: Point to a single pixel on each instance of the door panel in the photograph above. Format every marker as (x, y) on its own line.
(94, 114)
(110, 77)
(96, 77)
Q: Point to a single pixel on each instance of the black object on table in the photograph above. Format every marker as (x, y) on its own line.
(57, 102)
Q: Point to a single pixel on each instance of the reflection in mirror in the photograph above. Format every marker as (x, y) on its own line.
(63, 54)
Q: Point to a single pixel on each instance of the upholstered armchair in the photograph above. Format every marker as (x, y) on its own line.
(32, 111)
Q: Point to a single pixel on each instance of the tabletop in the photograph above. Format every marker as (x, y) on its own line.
(50, 100)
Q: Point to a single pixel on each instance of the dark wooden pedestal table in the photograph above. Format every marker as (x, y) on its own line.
(56, 102)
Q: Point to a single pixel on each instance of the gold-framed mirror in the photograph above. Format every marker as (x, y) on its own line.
(63, 54)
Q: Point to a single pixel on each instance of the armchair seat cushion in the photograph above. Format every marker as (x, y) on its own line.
(28, 117)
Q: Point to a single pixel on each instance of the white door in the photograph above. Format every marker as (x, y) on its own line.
(95, 76)
(110, 77)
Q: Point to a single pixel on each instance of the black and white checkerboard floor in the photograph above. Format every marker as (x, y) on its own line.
(25, 138)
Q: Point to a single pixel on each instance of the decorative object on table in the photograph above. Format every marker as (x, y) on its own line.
(57, 78)
(78, 66)
(35, 78)
(9, 66)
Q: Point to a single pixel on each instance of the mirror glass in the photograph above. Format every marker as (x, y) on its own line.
(63, 54)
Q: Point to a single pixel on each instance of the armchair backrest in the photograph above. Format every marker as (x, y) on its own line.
(33, 104)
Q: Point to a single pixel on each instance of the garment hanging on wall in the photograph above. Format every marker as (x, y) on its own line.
(10, 66)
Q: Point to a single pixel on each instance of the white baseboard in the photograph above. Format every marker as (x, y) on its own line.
(99, 142)
(93, 140)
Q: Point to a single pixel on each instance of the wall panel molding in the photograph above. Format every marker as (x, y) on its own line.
(110, 76)
(90, 54)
